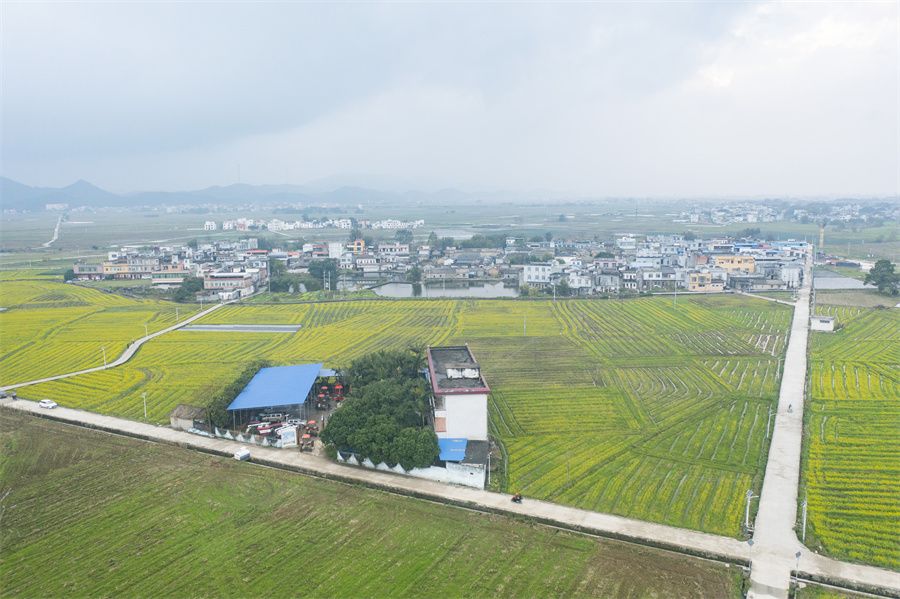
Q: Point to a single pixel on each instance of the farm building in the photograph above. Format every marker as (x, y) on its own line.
(185, 417)
(279, 389)
(459, 393)
(459, 403)
(822, 323)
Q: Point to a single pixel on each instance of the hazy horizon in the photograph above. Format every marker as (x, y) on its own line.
(658, 100)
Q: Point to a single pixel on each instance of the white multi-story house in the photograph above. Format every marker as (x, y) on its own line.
(209, 225)
(460, 394)
(537, 273)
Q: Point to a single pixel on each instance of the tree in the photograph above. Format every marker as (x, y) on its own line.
(322, 270)
(69, 275)
(192, 244)
(383, 419)
(277, 268)
(548, 236)
(382, 365)
(689, 236)
(217, 406)
(404, 236)
(188, 290)
(414, 275)
(882, 275)
(433, 239)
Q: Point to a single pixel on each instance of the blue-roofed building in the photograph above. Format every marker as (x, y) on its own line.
(284, 389)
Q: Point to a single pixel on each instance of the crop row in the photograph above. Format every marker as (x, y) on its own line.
(636, 407)
(852, 475)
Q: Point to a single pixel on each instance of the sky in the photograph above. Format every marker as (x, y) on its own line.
(669, 99)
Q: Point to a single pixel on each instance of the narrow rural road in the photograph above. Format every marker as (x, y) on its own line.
(126, 355)
(606, 525)
(763, 297)
(47, 244)
(775, 544)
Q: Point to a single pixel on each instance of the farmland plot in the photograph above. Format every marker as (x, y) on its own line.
(640, 408)
(51, 328)
(852, 443)
(153, 516)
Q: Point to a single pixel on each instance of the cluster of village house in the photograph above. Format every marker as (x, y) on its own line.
(630, 263)
(276, 224)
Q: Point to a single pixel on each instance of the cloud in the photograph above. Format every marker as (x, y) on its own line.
(603, 99)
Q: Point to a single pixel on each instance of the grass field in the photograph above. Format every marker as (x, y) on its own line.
(85, 514)
(852, 444)
(52, 328)
(640, 408)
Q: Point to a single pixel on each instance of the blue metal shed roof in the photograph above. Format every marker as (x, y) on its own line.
(277, 386)
(452, 450)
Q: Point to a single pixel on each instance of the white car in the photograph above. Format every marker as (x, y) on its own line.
(47, 403)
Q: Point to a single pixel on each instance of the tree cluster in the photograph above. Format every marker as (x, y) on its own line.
(882, 275)
(384, 418)
(188, 290)
(217, 406)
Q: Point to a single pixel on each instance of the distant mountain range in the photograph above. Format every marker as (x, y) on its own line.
(18, 196)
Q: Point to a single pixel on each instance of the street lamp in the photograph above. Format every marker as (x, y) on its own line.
(797, 568)
(750, 496)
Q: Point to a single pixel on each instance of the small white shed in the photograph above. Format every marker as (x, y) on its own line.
(822, 323)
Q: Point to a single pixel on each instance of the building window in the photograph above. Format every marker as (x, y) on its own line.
(440, 424)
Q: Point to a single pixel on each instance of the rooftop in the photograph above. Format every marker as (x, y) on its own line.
(277, 386)
(454, 357)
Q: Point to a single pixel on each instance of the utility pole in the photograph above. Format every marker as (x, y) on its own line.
(146, 332)
(177, 318)
(489, 466)
(524, 325)
(103, 349)
(144, 395)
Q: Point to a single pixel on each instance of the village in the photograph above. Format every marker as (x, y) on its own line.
(627, 264)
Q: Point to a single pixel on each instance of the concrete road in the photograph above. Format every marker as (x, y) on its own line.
(775, 541)
(126, 355)
(658, 535)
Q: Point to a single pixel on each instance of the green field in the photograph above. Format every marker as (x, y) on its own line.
(85, 514)
(52, 328)
(640, 407)
(852, 443)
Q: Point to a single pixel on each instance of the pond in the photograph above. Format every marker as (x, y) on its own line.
(448, 289)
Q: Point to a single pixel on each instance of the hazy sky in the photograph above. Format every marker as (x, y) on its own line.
(661, 99)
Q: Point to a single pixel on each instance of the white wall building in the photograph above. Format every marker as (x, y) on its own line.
(209, 225)
(460, 393)
(537, 274)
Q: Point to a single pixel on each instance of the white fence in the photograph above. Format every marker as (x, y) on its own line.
(469, 475)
